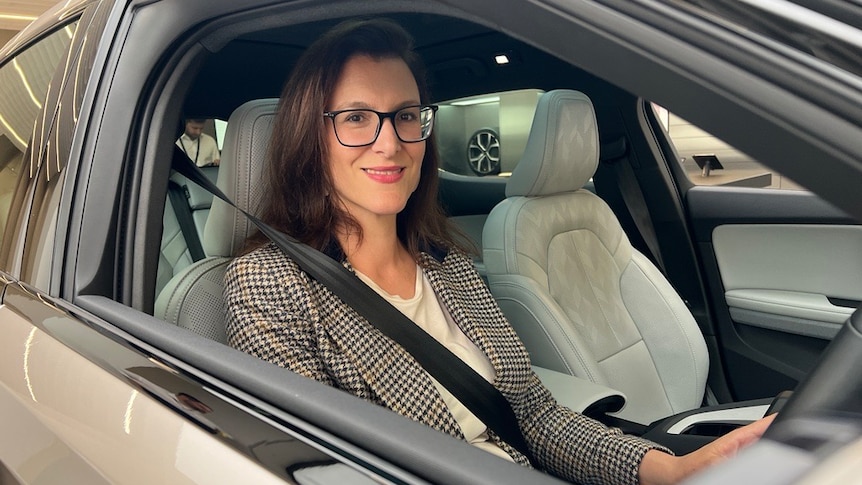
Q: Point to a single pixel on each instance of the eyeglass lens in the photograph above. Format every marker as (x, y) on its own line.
(360, 127)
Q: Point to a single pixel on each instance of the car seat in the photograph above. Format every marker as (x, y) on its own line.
(584, 301)
(174, 254)
(193, 298)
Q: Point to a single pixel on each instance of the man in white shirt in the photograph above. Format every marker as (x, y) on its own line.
(199, 146)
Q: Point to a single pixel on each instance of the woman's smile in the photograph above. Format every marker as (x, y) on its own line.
(385, 175)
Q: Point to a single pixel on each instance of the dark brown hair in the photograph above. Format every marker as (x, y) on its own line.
(299, 181)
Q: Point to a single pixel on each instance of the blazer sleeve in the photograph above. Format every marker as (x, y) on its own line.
(575, 447)
(266, 317)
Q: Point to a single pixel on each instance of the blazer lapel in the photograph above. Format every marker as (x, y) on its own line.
(474, 309)
(452, 289)
(377, 363)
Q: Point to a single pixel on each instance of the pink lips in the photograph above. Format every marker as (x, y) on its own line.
(385, 175)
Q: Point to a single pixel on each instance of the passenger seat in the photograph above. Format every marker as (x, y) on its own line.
(583, 300)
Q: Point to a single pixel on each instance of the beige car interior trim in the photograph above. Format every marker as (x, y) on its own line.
(840, 468)
(803, 258)
(798, 326)
(806, 306)
(780, 276)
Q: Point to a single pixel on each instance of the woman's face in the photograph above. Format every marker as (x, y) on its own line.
(375, 181)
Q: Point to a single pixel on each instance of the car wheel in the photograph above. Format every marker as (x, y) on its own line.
(483, 152)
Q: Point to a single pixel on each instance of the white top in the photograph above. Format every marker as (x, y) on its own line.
(428, 313)
(203, 150)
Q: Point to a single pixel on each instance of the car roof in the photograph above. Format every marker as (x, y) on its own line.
(459, 57)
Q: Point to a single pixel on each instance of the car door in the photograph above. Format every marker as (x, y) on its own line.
(35, 369)
(782, 267)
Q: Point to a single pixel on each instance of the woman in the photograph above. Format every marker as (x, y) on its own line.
(353, 173)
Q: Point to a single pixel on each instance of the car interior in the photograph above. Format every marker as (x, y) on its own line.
(478, 97)
(496, 159)
(558, 276)
(651, 295)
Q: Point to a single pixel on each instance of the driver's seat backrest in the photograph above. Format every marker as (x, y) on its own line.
(583, 300)
(193, 298)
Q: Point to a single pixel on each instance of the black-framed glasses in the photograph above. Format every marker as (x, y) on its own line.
(360, 127)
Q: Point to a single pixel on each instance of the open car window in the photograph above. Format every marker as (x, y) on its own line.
(708, 160)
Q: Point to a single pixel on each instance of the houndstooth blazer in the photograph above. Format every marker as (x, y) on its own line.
(278, 313)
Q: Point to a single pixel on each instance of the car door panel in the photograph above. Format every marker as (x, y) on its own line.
(787, 276)
(784, 273)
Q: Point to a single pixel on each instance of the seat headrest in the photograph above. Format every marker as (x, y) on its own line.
(243, 161)
(562, 151)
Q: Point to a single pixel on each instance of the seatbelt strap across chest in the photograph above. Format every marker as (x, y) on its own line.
(472, 390)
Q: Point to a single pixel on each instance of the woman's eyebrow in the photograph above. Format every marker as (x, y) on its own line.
(365, 105)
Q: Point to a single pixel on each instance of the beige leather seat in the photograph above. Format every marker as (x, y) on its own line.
(193, 298)
(174, 255)
(584, 301)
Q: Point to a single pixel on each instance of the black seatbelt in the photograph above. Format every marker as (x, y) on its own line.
(180, 201)
(472, 390)
(614, 154)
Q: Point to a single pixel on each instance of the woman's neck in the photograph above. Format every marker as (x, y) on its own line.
(381, 256)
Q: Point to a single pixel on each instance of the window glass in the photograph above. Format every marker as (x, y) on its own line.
(202, 140)
(64, 101)
(709, 160)
(24, 83)
(220, 129)
(485, 135)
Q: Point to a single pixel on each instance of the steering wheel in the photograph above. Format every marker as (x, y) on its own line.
(834, 386)
(818, 430)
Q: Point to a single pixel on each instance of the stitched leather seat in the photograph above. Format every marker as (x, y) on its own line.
(193, 298)
(174, 255)
(584, 301)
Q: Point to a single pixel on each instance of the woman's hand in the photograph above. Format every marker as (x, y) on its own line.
(658, 468)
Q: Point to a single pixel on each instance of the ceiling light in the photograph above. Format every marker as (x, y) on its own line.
(501, 59)
(472, 101)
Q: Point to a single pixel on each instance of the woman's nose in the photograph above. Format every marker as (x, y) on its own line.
(387, 139)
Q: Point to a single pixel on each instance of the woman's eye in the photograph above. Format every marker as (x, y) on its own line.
(410, 115)
(355, 117)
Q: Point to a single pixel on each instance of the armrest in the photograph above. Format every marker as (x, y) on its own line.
(581, 395)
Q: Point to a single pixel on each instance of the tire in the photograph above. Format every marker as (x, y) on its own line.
(483, 152)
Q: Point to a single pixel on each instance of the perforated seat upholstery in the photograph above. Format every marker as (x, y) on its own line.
(193, 298)
(584, 301)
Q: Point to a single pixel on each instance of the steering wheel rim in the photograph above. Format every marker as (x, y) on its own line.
(834, 385)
